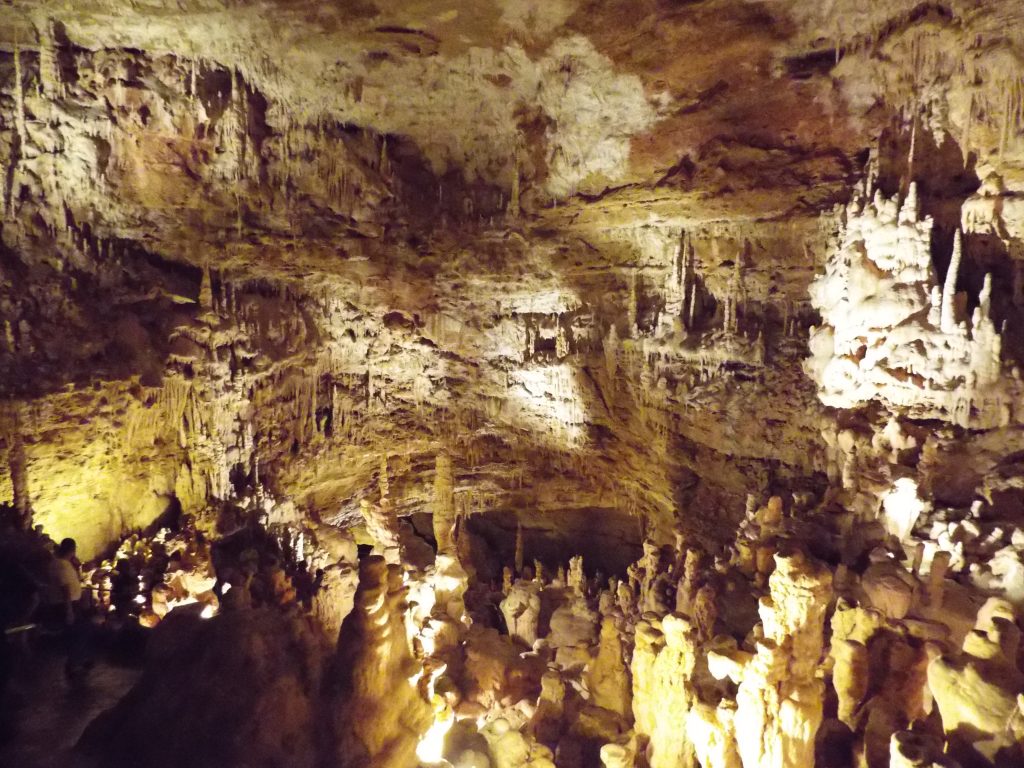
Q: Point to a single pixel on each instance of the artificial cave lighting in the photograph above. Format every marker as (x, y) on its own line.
(512, 384)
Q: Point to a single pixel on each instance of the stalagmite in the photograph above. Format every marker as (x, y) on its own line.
(849, 677)
(711, 731)
(664, 660)
(521, 610)
(878, 295)
(980, 694)
(384, 715)
(948, 317)
(779, 701)
(910, 211)
(911, 750)
(617, 756)
(607, 677)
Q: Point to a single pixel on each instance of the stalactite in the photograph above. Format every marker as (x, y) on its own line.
(206, 290)
(631, 307)
(687, 287)
(1005, 122)
(383, 483)
(965, 138)
(513, 209)
(49, 71)
(561, 342)
(19, 97)
(693, 306)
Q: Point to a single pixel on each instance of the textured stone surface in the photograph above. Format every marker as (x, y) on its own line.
(723, 297)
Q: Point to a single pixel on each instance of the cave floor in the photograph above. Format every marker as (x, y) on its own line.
(48, 714)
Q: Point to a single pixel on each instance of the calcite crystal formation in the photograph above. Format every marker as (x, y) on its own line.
(891, 333)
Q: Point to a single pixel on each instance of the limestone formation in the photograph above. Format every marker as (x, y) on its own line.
(607, 675)
(530, 382)
(884, 337)
(383, 714)
(910, 750)
(712, 733)
(850, 676)
(980, 693)
(444, 504)
(521, 610)
(663, 665)
(779, 699)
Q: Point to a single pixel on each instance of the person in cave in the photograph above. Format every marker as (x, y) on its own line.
(67, 612)
(124, 588)
(44, 538)
(302, 580)
(19, 598)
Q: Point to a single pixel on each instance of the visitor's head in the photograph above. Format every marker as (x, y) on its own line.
(67, 548)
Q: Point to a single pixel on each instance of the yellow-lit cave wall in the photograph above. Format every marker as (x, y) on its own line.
(84, 475)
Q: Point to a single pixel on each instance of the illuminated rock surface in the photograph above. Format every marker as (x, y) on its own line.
(526, 383)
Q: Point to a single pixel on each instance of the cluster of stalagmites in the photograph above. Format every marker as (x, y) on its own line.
(799, 644)
(892, 333)
(792, 648)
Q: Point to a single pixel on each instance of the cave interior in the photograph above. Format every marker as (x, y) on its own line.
(512, 383)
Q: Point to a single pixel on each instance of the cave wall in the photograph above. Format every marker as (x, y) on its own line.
(580, 267)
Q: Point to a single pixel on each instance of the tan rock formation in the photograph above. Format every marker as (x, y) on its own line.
(859, 304)
(521, 609)
(607, 675)
(910, 750)
(850, 677)
(383, 714)
(444, 503)
(779, 701)
(617, 756)
(669, 289)
(664, 660)
(980, 693)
